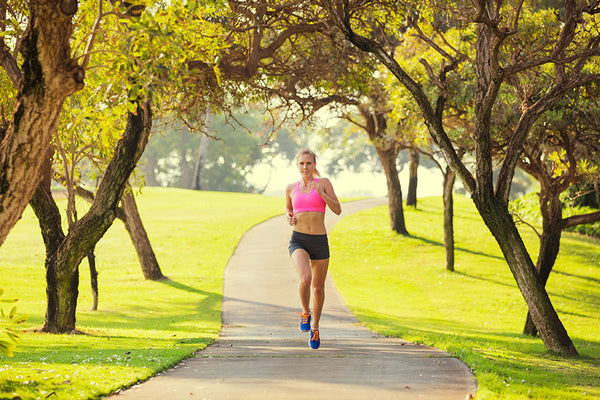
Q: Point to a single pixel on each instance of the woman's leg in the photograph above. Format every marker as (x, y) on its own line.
(319, 273)
(302, 265)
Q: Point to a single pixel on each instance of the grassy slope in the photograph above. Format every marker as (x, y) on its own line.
(399, 286)
(141, 326)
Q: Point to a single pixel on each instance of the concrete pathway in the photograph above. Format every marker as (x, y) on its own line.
(261, 354)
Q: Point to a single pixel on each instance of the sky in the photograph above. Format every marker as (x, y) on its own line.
(346, 184)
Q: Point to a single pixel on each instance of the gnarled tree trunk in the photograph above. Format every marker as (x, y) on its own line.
(501, 225)
(49, 219)
(376, 127)
(49, 75)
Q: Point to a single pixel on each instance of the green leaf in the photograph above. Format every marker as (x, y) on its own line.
(6, 347)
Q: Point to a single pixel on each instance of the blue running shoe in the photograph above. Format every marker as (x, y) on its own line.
(314, 342)
(304, 321)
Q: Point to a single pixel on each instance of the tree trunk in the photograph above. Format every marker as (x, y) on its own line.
(93, 279)
(388, 161)
(62, 261)
(500, 223)
(551, 207)
(139, 237)
(413, 166)
(449, 178)
(50, 222)
(49, 76)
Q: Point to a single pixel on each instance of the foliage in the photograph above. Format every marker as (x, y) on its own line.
(475, 314)
(580, 195)
(526, 209)
(233, 149)
(129, 58)
(8, 322)
(141, 327)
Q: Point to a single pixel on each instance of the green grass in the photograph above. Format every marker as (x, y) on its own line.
(141, 327)
(398, 286)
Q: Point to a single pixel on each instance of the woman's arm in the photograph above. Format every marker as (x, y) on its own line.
(325, 190)
(289, 208)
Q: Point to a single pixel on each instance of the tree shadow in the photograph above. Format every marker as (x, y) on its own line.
(586, 278)
(456, 248)
(181, 286)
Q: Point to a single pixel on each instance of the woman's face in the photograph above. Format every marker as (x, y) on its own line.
(306, 165)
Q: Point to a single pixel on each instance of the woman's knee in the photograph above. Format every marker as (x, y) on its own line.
(305, 279)
(318, 290)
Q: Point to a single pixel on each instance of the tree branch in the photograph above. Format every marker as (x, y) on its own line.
(575, 220)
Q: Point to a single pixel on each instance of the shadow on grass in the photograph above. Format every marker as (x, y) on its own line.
(503, 362)
(456, 249)
(181, 286)
(497, 282)
(160, 314)
(585, 278)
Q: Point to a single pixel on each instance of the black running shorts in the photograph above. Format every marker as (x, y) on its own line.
(317, 246)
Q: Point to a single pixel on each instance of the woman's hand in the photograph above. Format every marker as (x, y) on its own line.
(291, 218)
(316, 185)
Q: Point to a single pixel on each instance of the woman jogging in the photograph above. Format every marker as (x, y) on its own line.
(306, 201)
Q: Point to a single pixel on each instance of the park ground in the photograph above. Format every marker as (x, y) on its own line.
(395, 285)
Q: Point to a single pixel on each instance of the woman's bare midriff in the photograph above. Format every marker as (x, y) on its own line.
(310, 222)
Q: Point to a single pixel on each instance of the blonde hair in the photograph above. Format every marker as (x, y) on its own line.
(311, 153)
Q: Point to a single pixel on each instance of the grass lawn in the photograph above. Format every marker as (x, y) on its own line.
(398, 286)
(141, 327)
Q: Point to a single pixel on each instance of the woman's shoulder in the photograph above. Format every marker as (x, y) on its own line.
(290, 187)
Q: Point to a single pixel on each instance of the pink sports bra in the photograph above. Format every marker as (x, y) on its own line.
(310, 201)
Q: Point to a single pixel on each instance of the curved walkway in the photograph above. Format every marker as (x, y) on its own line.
(261, 354)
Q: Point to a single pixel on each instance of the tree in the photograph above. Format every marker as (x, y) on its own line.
(413, 54)
(64, 252)
(128, 213)
(568, 45)
(562, 150)
(48, 76)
